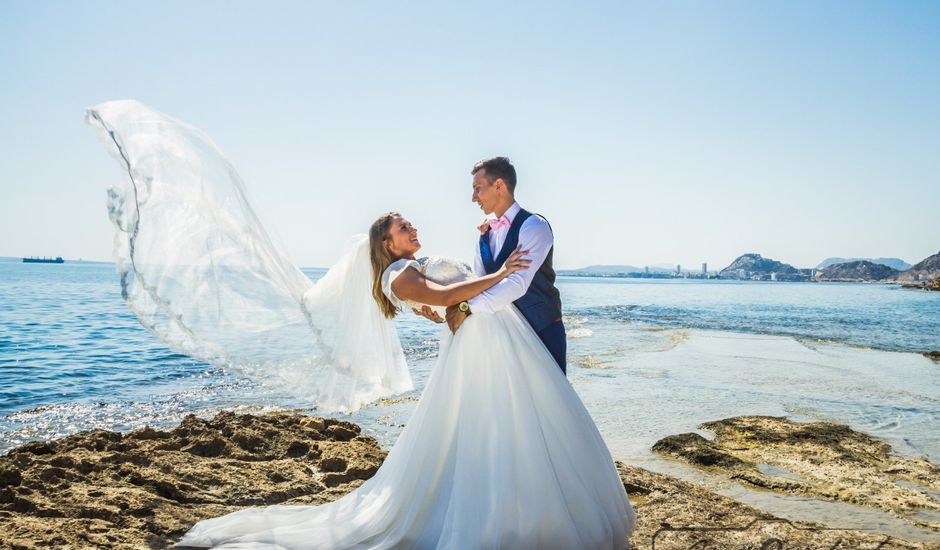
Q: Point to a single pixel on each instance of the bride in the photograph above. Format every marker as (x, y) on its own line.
(499, 451)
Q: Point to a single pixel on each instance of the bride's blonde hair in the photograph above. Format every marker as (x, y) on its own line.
(381, 258)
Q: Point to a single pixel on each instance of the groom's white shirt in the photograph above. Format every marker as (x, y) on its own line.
(535, 235)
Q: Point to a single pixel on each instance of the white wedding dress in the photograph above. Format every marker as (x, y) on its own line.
(499, 453)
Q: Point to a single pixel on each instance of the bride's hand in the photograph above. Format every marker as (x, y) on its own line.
(428, 313)
(515, 262)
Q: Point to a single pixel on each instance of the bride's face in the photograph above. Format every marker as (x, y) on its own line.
(402, 239)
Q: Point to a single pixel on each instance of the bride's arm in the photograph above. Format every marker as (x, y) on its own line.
(412, 285)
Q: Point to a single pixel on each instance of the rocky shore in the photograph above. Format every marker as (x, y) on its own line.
(145, 488)
(818, 460)
(928, 285)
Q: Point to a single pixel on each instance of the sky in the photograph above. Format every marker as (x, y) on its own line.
(646, 133)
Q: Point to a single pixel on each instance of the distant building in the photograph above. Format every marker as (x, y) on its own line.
(773, 276)
(704, 269)
(647, 270)
(678, 269)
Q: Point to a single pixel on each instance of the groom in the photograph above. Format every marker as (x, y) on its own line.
(532, 290)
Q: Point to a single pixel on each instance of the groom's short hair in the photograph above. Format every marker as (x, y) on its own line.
(496, 168)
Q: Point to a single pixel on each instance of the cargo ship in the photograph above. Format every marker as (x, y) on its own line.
(56, 260)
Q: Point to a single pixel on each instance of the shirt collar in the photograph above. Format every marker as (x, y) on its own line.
(513, 210)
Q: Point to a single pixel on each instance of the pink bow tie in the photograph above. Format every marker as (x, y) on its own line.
(499, 222)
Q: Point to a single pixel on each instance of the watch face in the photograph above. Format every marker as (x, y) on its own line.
(464, 306)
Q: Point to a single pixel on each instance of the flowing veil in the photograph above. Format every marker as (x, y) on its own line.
(199, 270)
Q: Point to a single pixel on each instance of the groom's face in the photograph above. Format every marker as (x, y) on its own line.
(485, 192)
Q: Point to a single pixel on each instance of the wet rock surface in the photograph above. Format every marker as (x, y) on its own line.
(819, 460)
(674, 514)
(144, 489)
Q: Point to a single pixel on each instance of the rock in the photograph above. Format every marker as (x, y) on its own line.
(333, 465)
(818, 460)
(297, 449)
(674, 514)
(36, 448)
(83, 492)
(147, 433)
(933, 285)
(10, 476)
(695, 449)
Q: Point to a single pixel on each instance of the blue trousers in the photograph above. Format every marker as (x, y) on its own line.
(553, 336)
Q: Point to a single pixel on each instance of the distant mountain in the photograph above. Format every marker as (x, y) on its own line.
(755, 266)
(926, 270)
(612, 270)
(893, 263)
(861, 270)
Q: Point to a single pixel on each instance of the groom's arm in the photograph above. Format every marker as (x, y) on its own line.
(534, 236)
(478, 264)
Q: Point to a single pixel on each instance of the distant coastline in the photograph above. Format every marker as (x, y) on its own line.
(576, 273)
(754, 267)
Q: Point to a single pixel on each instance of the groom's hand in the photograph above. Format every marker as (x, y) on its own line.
(428, 313)
(455, 318)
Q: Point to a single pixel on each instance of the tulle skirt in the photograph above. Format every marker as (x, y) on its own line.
(500, 452)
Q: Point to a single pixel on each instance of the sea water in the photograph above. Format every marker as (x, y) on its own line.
(649, 358)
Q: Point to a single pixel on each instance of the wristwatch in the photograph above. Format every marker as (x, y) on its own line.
(464, 307)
